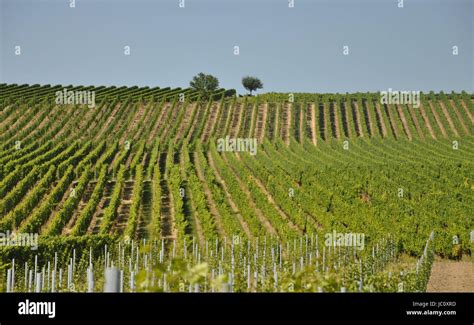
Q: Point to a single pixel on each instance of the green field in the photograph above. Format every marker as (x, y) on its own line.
(139, 182)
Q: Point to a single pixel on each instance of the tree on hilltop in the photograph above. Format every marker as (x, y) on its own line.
(251, 83)
(205, 84)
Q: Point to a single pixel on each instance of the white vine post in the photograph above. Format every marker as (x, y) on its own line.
(90, 279)
(12, 285)
(38, 282)
(9, 279)
(26, 275)
(132, 281)
(112, 280)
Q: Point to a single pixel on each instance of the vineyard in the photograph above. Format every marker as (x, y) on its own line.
(139, 184)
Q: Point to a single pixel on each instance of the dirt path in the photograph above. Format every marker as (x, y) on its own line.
(378, 111)
(94, 125)
(145, 124)
(467, 111)
(286, 116)
(391, 120)
(313, 125)
(165, 110)
(259, 125)
(438, 120)
(68, 122)
(53, 114)
(427, 121)
(277, 122)
(357, 119)
(415, 121)
(459, 116)
(5, 114)
(263, 123)
(301, 124)
(186, 122)
(228, 119)
(222, 120)
(123, 210)
(172, 119)
(21, 123)
(253, 115)
(109, 120)
(236, 120)
(451, 276)
(210, 123)
(404, 122)
(137, 116)
(8, 119)
(448, 117)
(218, 114)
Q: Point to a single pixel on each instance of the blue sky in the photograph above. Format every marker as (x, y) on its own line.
(297, 49)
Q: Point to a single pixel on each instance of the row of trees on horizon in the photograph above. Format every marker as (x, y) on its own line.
(207, 84)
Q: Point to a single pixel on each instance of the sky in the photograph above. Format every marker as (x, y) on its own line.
(297, 49)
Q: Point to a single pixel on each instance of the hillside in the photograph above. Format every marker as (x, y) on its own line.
(141, 166)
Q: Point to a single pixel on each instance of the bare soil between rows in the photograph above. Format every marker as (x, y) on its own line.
(452, 276)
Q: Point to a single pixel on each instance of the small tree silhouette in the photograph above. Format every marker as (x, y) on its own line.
(251, 83)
